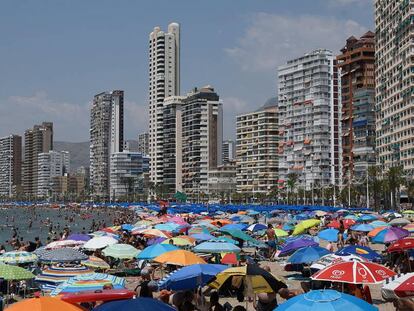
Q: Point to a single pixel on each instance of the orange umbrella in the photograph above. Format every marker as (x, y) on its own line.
(374, 232)
(155, 232)
(186, 237)
(180, 258)
(43, 304)
(222, 221)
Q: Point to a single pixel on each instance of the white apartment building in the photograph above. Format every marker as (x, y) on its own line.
(49, 164)
(309, 121)
(127, 169)
(164, 81)
(143, 143)
(10, 165)
(256, 149)
(394, 83)
(229, 151)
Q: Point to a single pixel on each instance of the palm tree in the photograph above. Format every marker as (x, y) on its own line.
(291, 182)
(395, 179)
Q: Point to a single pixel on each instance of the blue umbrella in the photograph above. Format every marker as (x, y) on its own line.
(224, 239)
(138, 304)
(292, 246)
(155, 250)
(233, 227)
(329, 235)
(216, 247)
(78, 237)
(169, 226)
(308, 254)
(288, 227)
(362, 227)
(361, 251)
(325, 300)
(367, 218)
(256, 227)
(379, 223)
(191, 277)
(127, 227)
(202, 236)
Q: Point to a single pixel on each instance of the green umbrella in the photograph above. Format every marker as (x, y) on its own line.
(14, 273)
(121, 251)
(240, 235)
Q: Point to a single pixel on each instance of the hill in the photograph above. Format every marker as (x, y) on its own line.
(79, 152)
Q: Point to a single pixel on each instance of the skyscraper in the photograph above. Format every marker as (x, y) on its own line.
(309, 117)
(143, 143)
(394, 84)
(358, 112)
(106, 137)
(257, 143)
(50, 164)
(37, 140)
(164, 81)
(10, 165)
(202, 139)
(229, 151)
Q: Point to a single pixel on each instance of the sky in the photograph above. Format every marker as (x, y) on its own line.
(56, 55)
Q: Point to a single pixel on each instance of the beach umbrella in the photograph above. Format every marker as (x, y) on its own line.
(62, 255)
(408, 212)
(362, 251)
(390, 234)
(99, 242)
(216, 247)
(353, 217)
(280, 233)
(120, 251)
(362, 227)
(256, 227)
(398, 286)
(409, 227)
(43, 304)
(325, 300)
(79, 237)
(354, 272)
(240, 235)
(329, 234)
(331, 259)
(399, 222)
(224, 239)
(153, 233)
(229, 259)
(14, 273)
(255, 279)
(63, 243)
(336, 224)
(178, 241)
(401, 245)
(156, 250)
(190, 277)
(55, 274)
(233, 227)
(88, 282)
(367, 218)
(198, 230)
(103, 233)
(288, 227)
(321, 213)
(202, 236)
(307, 254)
(305, 225)
(293, 245)
(375, 231)
(379, 223)
(155, 241)
(127, 227)
(390, 215)
(138, 304)
(18, 257)
(96, 263)
(169, 227)
(179, 258)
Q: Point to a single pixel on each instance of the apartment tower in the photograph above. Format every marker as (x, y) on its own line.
(164, 81)
(10, 165)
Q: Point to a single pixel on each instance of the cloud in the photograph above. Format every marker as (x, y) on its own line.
(70, 120)
(270, 40)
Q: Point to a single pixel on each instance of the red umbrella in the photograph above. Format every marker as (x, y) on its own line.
(229, 259)
(347, 223)
(354, 272)
(401, 245)
(400, 286)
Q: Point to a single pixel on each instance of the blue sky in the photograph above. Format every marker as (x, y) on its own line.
(56, 54)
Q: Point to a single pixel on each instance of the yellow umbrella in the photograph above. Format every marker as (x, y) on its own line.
(180, 258)
(305, 225)
(280, 233)
(408, 212)
(178, 241)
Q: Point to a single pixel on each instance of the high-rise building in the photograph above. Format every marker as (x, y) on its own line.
(50, 164)
(38, 139)
(143, 143)
(394, 67)
(131, 145)
(172, 150)
(10, 165)
(256, 151)
(356, 65)
(202, 139)
(229, 151)
(127, 173)
(164, 81)
(309, 120)
(222, 181)
(106, 138)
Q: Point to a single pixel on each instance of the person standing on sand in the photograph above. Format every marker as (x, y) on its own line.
(271, 240)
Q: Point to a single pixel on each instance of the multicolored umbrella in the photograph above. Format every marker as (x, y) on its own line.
(18, 257)
(156, 250)
(120, 251)
(255, 279)
(324, 300)
(62, 255)
(138, 304)
(43, 304)
(56, 274)
(362, 251)
(88, 282)
(191, 277)
(179, 258)
(390, 234)
(398, 286)
(409, 227)
(399, 222)
(331, 259)
(256, 227)
(216, 247)
(307, 254)
(14, 273)
(95, 263)
(354, 272)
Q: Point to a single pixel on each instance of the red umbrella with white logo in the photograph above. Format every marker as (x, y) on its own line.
(354, 272)
(401, 245)
(398, 286)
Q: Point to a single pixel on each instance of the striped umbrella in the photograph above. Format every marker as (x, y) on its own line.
(17, 257)
(89, 282)
(62, 255)
(56, 275)
(96, 263)
(121, 251)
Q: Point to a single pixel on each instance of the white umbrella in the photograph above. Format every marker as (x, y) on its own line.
(399, 222)
(64, 243)
(330, 259)
(99, 242)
